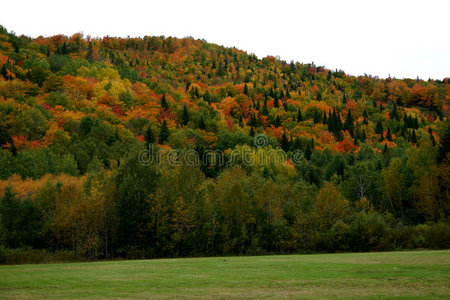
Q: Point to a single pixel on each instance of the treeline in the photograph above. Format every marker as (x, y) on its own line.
(331, 203)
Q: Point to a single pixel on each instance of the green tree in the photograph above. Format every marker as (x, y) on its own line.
(164, 133)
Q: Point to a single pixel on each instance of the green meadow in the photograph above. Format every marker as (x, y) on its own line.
(386, 275)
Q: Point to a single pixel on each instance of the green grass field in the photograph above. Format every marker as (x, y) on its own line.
(414, 274)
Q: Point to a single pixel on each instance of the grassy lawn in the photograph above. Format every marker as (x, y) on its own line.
(414, 274)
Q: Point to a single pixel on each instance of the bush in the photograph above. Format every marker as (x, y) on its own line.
(435, 236)
(33, 256)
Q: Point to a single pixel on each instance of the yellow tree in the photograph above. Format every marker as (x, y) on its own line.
(330, 206)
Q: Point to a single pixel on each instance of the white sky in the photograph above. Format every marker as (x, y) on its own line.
(401, 38)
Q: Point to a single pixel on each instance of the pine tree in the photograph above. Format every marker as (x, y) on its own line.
(185, 115)
(414, 137)
(379, 128)
(308, 153)
(202, 124)
(325, 120)
(64, 49)
(245, 89)
(433, 140)
(164, 133)
(316, 117)
(403, 132)
(275, 102)
(299, 115)
(164, 102)
(284, 143)
(13, 149)
(149, 137)
(252, 131)
(394, 112)
(4, 72)
(90, 53)
(207, 97)
(277, 122)
(348, 125)
(416, 123)
(265, 110)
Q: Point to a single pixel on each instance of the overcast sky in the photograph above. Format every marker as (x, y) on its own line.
(401, 38)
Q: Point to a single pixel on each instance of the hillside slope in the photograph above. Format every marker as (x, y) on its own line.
(246, 155)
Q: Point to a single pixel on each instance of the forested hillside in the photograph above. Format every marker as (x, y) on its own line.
(305, 159)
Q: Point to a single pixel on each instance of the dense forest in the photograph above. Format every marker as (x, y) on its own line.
(95, 136)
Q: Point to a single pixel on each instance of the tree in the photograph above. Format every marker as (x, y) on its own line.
(20, 221)
(299, 116)
(285, 145)
(164, 104)
(444, 144)
(149, 136)
(393, 186)
(389, 135)
(86, 125)
(185, 115)
(308, 152)
(90, 54)
(164, 133)
(379, 128)
(134, 183)
(330, 207)
(202, 124)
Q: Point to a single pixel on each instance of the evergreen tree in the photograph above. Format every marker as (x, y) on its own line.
(64, 49)
(403, 132)
(284, 143)
(164, 102)
(90, 53)
(149, 137)
(185, 115)
(416, 123)
(265, 110)
(394, 113)
(202, 124)
(207, 97)
(433, 140)
(245, 89)
(414, 137)
(379, 128)
(13, 149)
(275, 102)
(348, 125)
(308, 152)
(4, 72)
(277, 122)
(299, 115)
(252, 131)
(363, 137)
(164, 133)
(316, 118)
